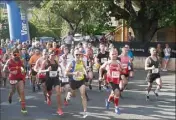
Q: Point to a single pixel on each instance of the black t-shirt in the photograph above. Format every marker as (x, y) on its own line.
(103, 57)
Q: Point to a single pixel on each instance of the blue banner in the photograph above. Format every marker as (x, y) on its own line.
(14, 20)
(18, 26)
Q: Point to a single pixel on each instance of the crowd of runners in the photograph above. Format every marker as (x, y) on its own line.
(48, 67)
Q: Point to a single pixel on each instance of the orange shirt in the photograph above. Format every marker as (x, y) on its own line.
(34, 58)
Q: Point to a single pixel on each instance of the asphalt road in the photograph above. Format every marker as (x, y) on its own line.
(133, 106)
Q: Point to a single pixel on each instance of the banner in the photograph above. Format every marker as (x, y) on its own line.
(14, 20)
(141, 49)
(24, 28)
(18, 26)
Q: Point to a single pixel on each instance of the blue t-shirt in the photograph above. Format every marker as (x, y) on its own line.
(130, 54)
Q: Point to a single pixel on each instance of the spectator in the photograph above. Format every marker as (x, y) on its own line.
(159, 53)
(68, 40)
(130, 37)
(167, 54)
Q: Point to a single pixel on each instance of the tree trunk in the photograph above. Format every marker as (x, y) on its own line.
(145, 30)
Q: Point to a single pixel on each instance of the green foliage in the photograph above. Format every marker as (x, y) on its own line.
(46, 23)
(4, 30)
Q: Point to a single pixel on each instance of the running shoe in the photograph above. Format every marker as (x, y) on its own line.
(156, 94)
(23, 110)
(85, 115)
(60, 112)
(48, 99)
(117, 111)
(147, 98)
(107, 104)
(90, 87)
(65, 103)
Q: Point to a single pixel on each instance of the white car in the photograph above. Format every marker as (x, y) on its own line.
(78, 37)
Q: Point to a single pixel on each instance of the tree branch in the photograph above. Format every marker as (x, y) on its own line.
(68, 21)
(117, 11)
(129, 7)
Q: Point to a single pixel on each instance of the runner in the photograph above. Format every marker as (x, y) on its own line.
(130, 54)
(77, 73)
(89, 55)
(64, 79)
(113, 68)
(125, 62)
(51, 67)
(41, 76)
(102, 57)
(32, 63)
(16, 78)
(152, 65)
(5, 74)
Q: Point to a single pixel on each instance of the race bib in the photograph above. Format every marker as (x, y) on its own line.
(52, 73)
(13, 82)
(65, 79)
(78, 77)
(129, 67)
(103, 60)
(124, 66)
(156, 70)
(115, 74)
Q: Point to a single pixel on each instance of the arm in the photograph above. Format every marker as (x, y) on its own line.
(67, 71)
(36, 67)
(43, 70)
(102, 68)
(6, 66)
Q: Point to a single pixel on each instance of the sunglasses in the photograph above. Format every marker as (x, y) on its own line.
(16, 54)
(78, 55)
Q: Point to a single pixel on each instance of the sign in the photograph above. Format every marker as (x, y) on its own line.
(141, 49)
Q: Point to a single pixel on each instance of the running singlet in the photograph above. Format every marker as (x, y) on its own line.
(78, 67)
(125, 64)
(15, 66)
(62, 75)
(113, 73)
(103, 57)
(156, 64)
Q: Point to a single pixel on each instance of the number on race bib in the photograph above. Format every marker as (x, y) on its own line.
(53, 74)
(103, 60)
(124, 65)
(115, 74)
(13, 82)
(65, 79)
(156, 70)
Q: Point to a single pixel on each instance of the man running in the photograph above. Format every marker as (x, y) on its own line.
(102, 57)
(32, 63)
(16, 78)
(51, 67)
(41, 76)
(152, 66)
(125, 62)
(77, 72)
(113, 68)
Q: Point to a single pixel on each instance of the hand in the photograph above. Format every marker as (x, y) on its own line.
(100, 78)
(14, 72)
(49, 68)
(153, 67)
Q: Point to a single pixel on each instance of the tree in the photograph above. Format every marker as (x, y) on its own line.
(4, 28)
(151, 15)
(46, 23)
